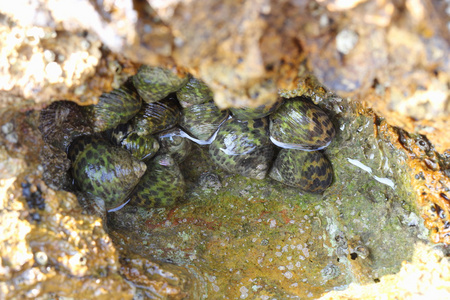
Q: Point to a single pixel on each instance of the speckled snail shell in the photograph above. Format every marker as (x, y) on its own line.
(157, 116)
(298, 124)
(155, 83)
(161, 185)
(173, 143)
(161, 133)
(251, 113)
(118, 134)
(309, 171)
(142, 147)
(194, 92)
(114, 108)
(243, 147)
(104, 171)
(202, 120)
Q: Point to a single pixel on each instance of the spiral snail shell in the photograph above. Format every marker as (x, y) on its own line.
(161, 185)
(194, 92)
(61, 122)
(156, 116)
(154, 83)
(141, 147)
(202, 120)
(309, 171)
(299, 124)
(142, 168)
(243, 147)
(114, 108)
(173, 143)
(104, 171)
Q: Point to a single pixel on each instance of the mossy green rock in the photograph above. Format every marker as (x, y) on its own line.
(104, 171)
(161, 185)
(243, 147)
(309, 171)
(194, 92)
(155, 83)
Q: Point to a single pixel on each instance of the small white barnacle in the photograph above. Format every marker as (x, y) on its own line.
(330, 271)
(362, 251)
(41, 258)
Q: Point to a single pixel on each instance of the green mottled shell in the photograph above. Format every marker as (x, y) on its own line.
(154, 83)
(250, 113)
(171, 142)
(243, 147)
(157, 116)
(298, 124)
(119, 133)
(194, 92)
(202, 120)
(309, 171)
(61, 122)
(142, 147)
(161, 185)
(114, 108)
(104, 171)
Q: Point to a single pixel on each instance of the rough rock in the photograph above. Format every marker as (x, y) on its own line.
(48, 244)
(428, 275)
(392, 56)
(245, 237)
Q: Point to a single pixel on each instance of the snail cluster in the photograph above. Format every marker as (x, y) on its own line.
(127, 148)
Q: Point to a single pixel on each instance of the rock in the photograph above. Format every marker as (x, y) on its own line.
(387, 56)
(46, 237)
(430, 279)
(404, 79)
(158, 279)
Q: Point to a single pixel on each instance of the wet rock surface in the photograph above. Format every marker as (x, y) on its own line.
(429, 264)
(49, 246)
(231, 236)
(252, 238)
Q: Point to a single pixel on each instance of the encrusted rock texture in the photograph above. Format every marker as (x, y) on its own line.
(391, 56)
(48, 244)
(428, 264)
